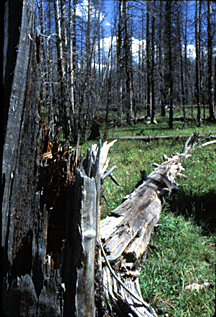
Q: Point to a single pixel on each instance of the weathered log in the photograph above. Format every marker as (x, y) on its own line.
(158, 137)
(127, 231)
(129, 227)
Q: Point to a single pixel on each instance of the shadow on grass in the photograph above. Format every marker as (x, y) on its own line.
(202, 208)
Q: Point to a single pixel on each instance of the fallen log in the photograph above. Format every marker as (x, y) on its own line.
(158, 137)
(126, 233)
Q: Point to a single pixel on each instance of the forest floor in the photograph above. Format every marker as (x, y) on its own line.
(186, 236)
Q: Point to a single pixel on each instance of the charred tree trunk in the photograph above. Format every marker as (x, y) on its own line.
(161, 63)
(64, 111)
(37, 179)
(23, 224)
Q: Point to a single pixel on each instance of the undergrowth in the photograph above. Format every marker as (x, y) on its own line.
(187, 257)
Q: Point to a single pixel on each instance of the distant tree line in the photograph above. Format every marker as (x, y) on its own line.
(82, 83)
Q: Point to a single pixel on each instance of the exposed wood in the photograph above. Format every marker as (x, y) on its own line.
(127, 231)
(208, 143)
(132, 289)
(83, 212)
(86, 197)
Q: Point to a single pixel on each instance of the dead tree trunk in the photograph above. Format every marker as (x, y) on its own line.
(21, 235)
(49, 223)
(32, 220)
(78, 267)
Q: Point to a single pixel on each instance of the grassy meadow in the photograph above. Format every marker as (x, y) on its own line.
(187, 233)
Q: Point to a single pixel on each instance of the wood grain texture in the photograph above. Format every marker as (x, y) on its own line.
(126, 234)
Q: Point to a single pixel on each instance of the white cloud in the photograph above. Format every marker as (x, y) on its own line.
(82, 10)
(107, 24)
(106, 42)
(137, 46)
(191, 51)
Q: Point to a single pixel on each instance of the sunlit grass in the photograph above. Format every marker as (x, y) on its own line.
(188, 249)
(187, 257)
(145, 129)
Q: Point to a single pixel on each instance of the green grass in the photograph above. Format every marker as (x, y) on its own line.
(187, 233)
(187, 257)
(161, 129)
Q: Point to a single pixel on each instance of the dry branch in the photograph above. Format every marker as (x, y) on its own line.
(209, 143)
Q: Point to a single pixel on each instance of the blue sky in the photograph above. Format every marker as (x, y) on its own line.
(136, 39)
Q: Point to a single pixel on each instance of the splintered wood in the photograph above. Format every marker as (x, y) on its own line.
(126, 233)
(128, 229)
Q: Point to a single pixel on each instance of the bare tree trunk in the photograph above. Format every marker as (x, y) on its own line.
(64, 38)
(148, 81)
(59, 40)
(168, 59)
(153, 114)
(23, 222)
(181, 66)
(72, 52)
(185, 63)
(63, 113)
(119, 65)
(126, 233)
(127, 64)
(215, 83)
(210, 49)
(197, 65)
(161, 64)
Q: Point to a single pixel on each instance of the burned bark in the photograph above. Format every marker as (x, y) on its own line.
(31, 287)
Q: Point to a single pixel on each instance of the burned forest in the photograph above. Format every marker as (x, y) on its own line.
(74, 73)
